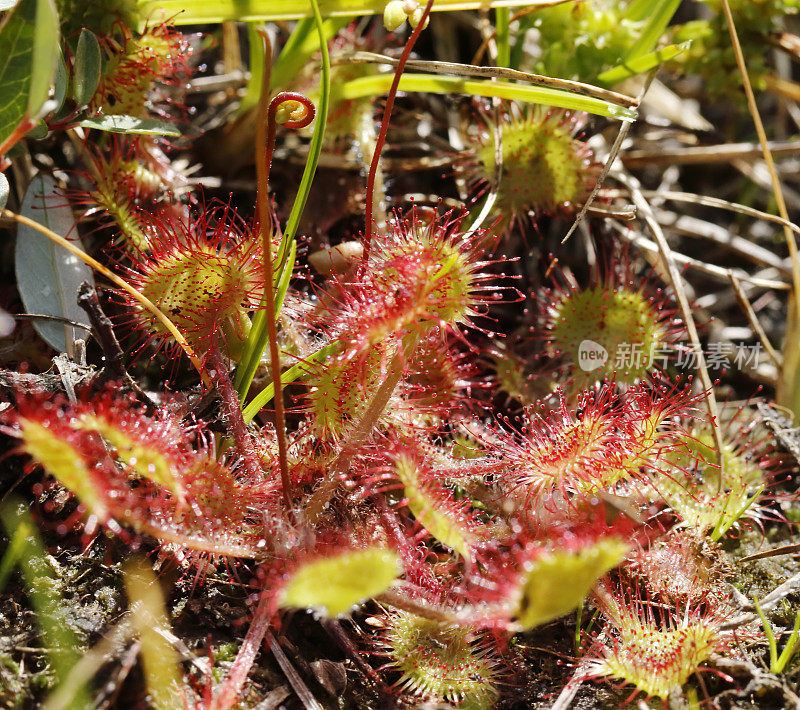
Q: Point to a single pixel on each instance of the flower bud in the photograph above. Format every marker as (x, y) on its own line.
(415, 17)
(394, 15)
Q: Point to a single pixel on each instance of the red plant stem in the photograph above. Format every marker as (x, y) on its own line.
(322, 495)
(387, 113)
(233, 413)
(265, 146)
(243, 662)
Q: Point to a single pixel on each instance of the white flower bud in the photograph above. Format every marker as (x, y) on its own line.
(416, 16)
(394, 15)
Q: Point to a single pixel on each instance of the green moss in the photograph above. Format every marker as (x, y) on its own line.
(226, 652)
(581, 40)
(711, 54)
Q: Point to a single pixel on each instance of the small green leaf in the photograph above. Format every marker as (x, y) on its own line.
(38, 132)
(638, 10)
(86, 75)
(61, 82)
(131, 125)
(333, 585)
(660, 12)
(642, 64)
(135, 455)
(430, 511)
(558, 581)
(63, 461)
(28, 57)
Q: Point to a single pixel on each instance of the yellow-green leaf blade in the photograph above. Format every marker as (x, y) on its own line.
(334, 585)
(253, 10)
(435, 84)
(63, 461)
(558, 581)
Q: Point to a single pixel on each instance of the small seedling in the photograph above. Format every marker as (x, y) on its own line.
(777, 664)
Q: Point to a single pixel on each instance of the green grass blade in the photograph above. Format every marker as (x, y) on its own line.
(256, 59)
(503, 37)
(256, 341)
(160, 660)
(265, 396)
(297, 51)
(186, 13)
(300, 47)
(661, 12)
(16, 548)
(773, 647)
(41, 583)
(642, 64)
(315, 147)
(435, 84)
(284, 277)
(788, 649)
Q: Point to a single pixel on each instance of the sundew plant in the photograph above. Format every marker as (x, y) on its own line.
(408, 353)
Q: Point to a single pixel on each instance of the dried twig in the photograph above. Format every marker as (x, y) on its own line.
(719, 153)
(767, 603)
(248, 651)
(612, 156)
(496, 73)
(764, 143)
(299, 687)
(103, 331)
(676, 283)
(709, 202)
(649, 246)
(52, 319)
(755, 324)
(698, 228)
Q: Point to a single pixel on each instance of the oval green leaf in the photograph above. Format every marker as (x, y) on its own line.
(48, 277)
(45, 54)
(61, 82)
(87, 68)
(558, 581)
(334, 585)
(130, 125)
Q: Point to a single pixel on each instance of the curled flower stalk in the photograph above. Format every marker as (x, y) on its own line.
(422, 441)
(298, 113)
